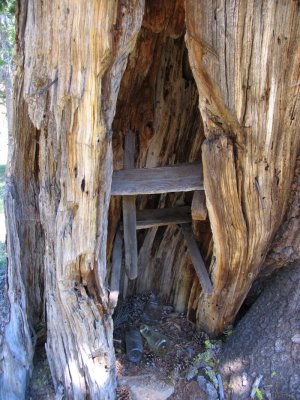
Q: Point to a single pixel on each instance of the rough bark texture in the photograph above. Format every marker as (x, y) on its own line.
(267, 342)
(245, 57)
(285, 248)
(70, 60)
(88, 72)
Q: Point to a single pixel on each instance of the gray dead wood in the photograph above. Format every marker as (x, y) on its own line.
(163, 216)
(176, 178)
(129, 214)
(197, 259)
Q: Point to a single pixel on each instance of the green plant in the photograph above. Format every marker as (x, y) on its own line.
(258, 394)
(8, 6)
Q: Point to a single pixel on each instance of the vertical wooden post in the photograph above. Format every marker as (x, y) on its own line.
(116, 270)
(199, 210)
(129, 213)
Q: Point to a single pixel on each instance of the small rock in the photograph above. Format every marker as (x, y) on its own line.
(191, 373)
(211, 391)
(245, 381)
(296, 338)
(279, 345)
(147, 387)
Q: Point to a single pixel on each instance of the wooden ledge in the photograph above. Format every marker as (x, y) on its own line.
(176, 178)
(162, 216)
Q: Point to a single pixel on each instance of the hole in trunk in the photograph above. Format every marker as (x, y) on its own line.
(158, 103)
(158, 124)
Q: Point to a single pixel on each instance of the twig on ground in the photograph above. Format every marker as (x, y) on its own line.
(255, 386)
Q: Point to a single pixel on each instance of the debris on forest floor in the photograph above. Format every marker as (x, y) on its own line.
(186, 371)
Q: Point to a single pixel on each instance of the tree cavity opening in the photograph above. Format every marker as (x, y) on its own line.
(158, 103)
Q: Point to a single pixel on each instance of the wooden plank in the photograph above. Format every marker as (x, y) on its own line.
(176, 178)
(116, 270)
(130, 240)
(162, 216)
(129, 214)
(199, 210)
(197, 259)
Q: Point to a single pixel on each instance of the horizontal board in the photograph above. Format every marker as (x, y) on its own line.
(162, 216)
(176, 178)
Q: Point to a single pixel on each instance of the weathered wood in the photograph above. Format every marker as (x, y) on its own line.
(245, 58)
(63, 168)
(159, 100)
(197, 259)
(129, 213)
(130, 240)
(199, 210)
(129, 149)
(162, 216)
(17, 345)
(176, 178)
(116, 270)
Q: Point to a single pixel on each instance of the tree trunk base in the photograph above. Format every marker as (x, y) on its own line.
(267, 342)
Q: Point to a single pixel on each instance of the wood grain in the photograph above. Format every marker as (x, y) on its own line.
(197, 259)
(63, 166)
(245, 58)
(199, 210)
(162, 216)
(116, 270)
(129, 214)
(176, 178)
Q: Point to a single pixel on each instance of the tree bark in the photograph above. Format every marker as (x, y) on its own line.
(266, 342)
(245, 58)
(88, 72)
(70, 60)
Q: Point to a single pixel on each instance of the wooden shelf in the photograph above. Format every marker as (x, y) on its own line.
(131, 182)
(176, 178)
(162, 216)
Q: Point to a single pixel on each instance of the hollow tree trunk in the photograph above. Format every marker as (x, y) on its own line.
(71, 57)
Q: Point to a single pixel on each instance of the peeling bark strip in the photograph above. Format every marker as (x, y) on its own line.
(245, 57)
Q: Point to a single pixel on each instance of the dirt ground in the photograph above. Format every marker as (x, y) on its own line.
(264, 345)
(189, 354)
